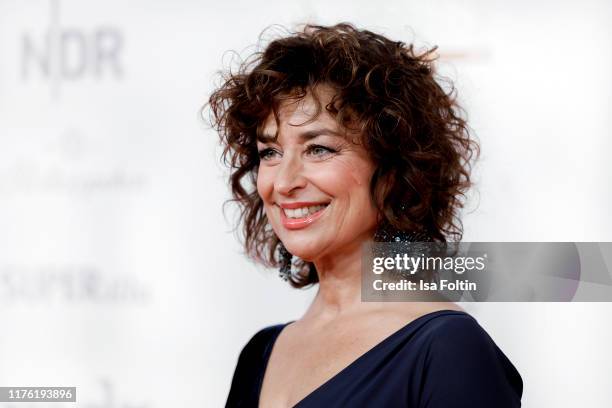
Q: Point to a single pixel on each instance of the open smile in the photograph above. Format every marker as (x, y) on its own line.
(301, 215)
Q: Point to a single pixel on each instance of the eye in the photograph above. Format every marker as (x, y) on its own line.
(267, 153)
(320, 150)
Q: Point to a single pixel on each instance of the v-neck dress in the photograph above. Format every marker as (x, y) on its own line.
(443, 359)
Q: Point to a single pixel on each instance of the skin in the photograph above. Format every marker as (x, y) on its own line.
(338, 327)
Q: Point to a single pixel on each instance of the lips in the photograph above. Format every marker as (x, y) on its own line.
(301, 214)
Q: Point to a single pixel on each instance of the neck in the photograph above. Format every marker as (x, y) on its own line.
(339, 284)
(339, 293)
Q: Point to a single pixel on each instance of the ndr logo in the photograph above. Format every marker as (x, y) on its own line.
(69, 53)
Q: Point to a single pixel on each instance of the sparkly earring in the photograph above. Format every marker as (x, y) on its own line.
(285, 258)
(401, 241)
(388, 233)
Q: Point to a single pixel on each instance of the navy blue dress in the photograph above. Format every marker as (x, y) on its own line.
(443, 359)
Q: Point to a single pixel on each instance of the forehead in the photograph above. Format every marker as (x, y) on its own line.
(307, 111)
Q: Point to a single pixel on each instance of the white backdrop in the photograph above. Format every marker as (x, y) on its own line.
(120, 275)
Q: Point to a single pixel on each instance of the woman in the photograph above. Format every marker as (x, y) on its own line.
(335, 137)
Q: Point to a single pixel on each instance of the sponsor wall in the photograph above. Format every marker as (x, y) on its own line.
(119, 273)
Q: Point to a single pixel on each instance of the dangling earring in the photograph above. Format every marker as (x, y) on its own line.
(395, 241)
(286, 259)
(388, 233)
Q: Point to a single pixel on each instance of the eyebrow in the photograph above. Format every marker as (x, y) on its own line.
(303, 136)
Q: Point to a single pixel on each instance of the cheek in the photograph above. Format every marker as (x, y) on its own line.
(349, 179)
(356, 181)
(265, 183)
(355, 174)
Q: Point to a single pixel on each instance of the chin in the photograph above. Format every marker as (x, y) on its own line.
(306, 252)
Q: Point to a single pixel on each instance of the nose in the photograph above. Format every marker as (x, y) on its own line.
(289, 177)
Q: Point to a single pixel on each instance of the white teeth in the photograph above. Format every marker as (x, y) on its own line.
(303, 211)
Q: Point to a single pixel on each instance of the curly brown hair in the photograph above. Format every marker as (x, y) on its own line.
(413, 129)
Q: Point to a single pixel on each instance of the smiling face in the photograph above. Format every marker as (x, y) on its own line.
(314, 181)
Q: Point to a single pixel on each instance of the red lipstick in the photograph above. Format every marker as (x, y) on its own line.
(302, 222)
